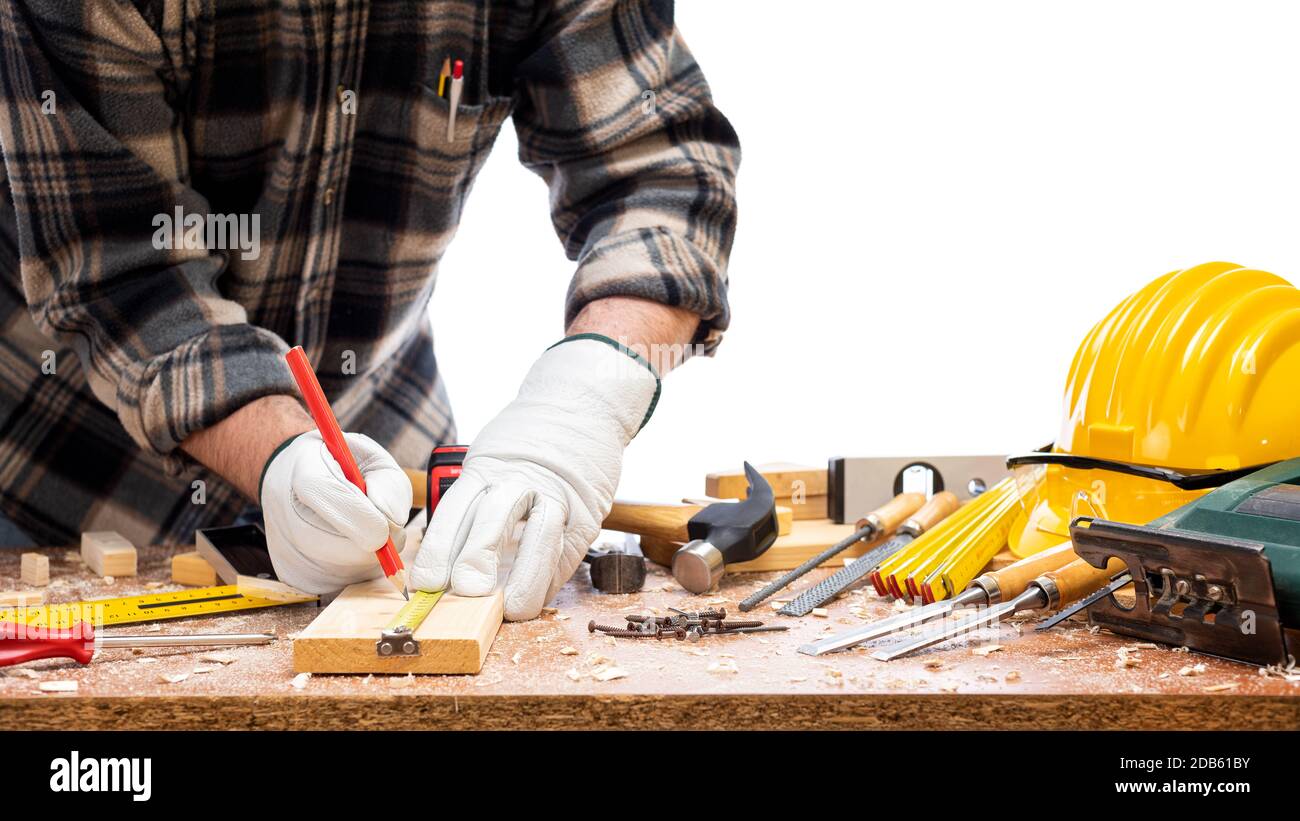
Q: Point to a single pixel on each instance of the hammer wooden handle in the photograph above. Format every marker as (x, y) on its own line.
(647, 519)
(894, 512)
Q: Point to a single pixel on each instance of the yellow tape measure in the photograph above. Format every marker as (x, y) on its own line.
(415, 611)
(201, 601)
(398, 636)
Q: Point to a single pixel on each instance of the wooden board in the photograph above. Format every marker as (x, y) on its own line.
(455, 637)
(785, 479)
(809, 507)
(806, 539)
(1065, 678)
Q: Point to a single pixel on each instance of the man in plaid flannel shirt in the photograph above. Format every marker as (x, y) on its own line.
(191, 186)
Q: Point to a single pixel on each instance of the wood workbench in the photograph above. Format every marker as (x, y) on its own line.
(1066, 678)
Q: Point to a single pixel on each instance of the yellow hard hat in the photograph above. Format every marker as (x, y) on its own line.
(1186, 384)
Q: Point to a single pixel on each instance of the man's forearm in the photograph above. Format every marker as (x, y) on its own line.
(238, 446)
(660, 333)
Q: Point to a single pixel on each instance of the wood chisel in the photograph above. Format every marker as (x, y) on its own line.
(870, 527)
(933, 512)
(1048, 591)
(989, 588)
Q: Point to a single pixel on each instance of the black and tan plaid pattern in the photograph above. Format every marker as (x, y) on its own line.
(321, 117)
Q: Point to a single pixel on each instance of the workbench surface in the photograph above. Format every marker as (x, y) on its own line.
(538, 675)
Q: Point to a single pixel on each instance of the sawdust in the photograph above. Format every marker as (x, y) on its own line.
(608, 673)
(58, 686)
(986, 649)
(173, 678)
(568, 650)
(723, 666)
(299, 681)
(1192, 670)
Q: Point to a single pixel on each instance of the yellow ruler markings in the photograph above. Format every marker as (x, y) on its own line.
(200, 601)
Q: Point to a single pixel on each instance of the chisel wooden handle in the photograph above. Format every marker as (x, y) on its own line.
(940, 506)
(893, 513)
(1011, 581)
(1076, 580)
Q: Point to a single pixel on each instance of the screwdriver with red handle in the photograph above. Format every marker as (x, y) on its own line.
(323, 415)
(24, 642)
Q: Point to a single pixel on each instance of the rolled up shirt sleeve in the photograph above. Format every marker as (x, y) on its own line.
(95, 158)
(616, 116)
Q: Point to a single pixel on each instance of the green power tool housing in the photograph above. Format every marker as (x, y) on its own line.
(1220, 575)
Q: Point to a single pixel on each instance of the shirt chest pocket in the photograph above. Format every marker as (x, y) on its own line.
(451, 146)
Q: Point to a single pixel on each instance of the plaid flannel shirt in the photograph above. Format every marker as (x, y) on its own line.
(322, 119)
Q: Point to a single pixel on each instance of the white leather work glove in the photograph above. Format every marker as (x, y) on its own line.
(553, 458)
(321, 530)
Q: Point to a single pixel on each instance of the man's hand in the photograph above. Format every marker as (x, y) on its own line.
(321, 530)
(551, 459)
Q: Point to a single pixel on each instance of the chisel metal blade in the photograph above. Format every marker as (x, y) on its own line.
(893, 624)
(988, 616)
(1086, 602)
(846, 577)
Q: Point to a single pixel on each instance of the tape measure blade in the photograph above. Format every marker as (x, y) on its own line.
(415, 611)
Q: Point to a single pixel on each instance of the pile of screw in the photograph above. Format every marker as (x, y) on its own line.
(683, 626)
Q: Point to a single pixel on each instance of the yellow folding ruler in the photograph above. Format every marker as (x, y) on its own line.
(398, 636)
(201, 601)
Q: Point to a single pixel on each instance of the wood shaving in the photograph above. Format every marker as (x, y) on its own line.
(596, 660)
(1126, 657)
(22, 672)
(154, 585)
(986, 649)
(1192, 670)
(567, 650)
(58, 686)
(562, 617)
(798, 679)
(219, 658)
(821, 612)
(516, 657)
(206, 668)
(900, 605)
(175, 678)
(609, 673)
(933, 664)
(1183, 649)
(573, 674)
(146, 660)
(725, 666)
(1219, 688)
(299, 681)
(1012, 676)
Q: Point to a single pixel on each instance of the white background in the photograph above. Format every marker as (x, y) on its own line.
(937, 200)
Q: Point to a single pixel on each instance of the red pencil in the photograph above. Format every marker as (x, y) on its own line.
(321, 413)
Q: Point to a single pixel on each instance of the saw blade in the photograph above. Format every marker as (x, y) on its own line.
(1086, 602)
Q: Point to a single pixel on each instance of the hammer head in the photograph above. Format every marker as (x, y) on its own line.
(726, 533)
(614, 572)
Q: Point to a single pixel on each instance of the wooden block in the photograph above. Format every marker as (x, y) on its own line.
(454, 638)
(806, 539)
(22, 598)
(809, 507)
(786, 480)
(35, 569)
(108, 553)
(193, 569)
